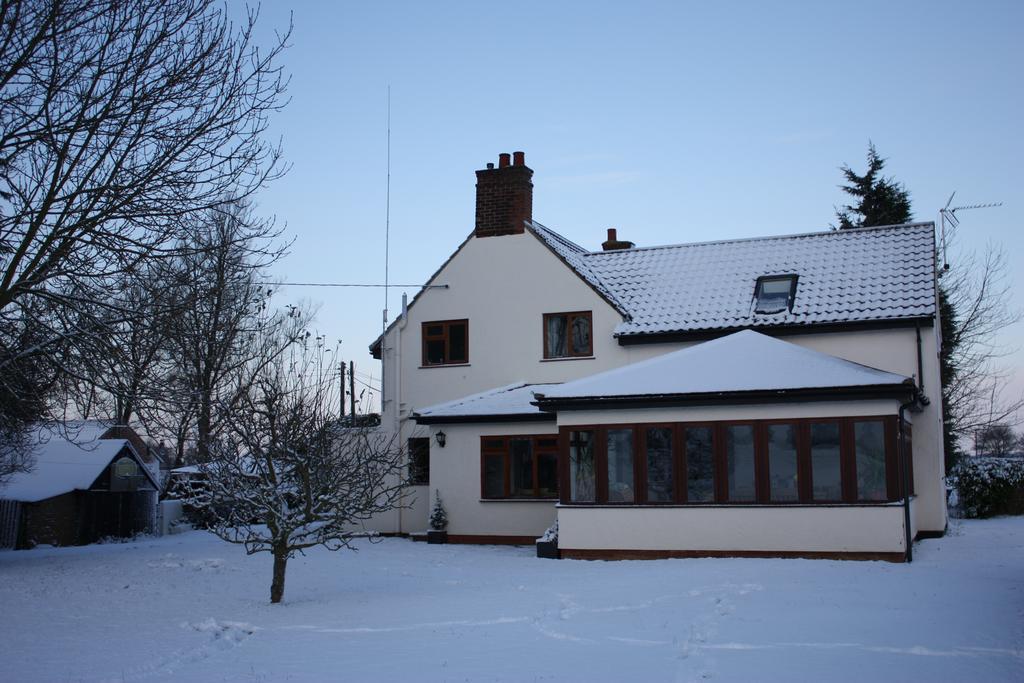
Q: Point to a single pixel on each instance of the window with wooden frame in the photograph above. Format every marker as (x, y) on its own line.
(785, 461)
(568, 335)
(446, 342)
(519, 467)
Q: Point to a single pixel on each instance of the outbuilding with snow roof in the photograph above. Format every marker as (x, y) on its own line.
(87, 482)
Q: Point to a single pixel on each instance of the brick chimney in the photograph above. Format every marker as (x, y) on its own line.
(504, 196)
(613, 243)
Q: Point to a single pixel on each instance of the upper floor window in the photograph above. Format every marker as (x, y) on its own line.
(446, 342)
(775, 294)
(568, 335)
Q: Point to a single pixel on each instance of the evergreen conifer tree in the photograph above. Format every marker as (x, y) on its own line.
(879, 200)
(883, 201)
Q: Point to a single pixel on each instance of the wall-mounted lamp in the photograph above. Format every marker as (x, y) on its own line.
(441, 438)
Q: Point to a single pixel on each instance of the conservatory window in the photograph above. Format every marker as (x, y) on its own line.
(775, 294)
(869, 448)
(739, 456)
(700, 465)
(582, 477)
(568, 335)
(782, 463)
(660, 469)
(826, 470)
(620, 466)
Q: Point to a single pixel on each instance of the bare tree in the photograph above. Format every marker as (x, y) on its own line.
(284, 475)
(117, 119)
(224, 332)
(974, 393)
(995, 440)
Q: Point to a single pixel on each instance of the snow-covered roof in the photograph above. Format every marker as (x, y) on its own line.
(744, 361)
(513, 401)
(844, 276)
(68, 457)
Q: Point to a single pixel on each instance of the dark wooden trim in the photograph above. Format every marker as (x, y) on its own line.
(485, 539)
(774, 330)
(717, 398)
(609, 554)
(445, 336)
(476, 419)
(569, 315)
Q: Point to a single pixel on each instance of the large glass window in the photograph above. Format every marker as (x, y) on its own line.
(826, 470)
(446, 342)
(869, 447)
(817, 460)
(582, 476)
(519, 466)
(739, 456)
(660, 487)
(700, 465)
(620, 466)
(782, 466)
(568, 335)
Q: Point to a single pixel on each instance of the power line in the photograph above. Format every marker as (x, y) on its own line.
(348, 284)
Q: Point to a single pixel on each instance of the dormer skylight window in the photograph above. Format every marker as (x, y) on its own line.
(774, 294)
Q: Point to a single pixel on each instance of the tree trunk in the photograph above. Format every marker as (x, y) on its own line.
(277, 587)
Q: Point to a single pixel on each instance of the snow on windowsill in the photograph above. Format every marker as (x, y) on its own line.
(444, 365)
(556, 360)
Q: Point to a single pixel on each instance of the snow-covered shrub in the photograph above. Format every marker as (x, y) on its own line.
(990, 486)
(438, 516)
(550, 535)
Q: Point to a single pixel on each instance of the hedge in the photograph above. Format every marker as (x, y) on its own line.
(989, 486)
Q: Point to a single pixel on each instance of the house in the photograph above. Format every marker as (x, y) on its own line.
(88, 482)
(774, 396)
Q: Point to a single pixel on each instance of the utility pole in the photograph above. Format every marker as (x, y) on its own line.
(341, 394)
(352, 390)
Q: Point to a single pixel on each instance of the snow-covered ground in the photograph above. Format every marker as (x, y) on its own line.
(190, 607)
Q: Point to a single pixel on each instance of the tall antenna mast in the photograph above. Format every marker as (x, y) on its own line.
(387, 222)
(948, 215)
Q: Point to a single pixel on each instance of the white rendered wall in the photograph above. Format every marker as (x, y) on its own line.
(876, 529)
(455, 473)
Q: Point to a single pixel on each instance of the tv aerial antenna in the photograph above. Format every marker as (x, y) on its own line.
(948, 215)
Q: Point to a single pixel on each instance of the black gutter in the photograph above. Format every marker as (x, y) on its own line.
(772, 330)
(920, 362)
(902, 450)
(470, 419)
(866, 392)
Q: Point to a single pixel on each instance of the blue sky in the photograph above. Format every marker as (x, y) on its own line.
(674, 122)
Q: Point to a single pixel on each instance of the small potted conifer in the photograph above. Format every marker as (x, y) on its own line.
(438, 532)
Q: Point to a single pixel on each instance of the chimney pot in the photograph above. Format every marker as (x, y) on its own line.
(503, 160)
(518, 158)
(490, 166)
(613, 243)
